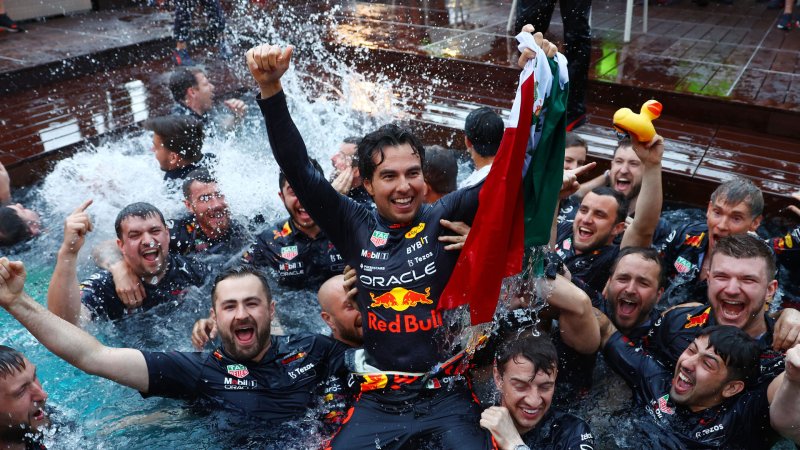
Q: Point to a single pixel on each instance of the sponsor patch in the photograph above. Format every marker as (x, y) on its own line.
(283, 232)
(412, 233)
(682, 265)
(289, 252)
(379, 238)
(663, 406)
(400, 299)
(293, 358)
(238, 370)
(698, 320)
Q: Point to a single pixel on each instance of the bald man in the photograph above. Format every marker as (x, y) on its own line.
(340, 312)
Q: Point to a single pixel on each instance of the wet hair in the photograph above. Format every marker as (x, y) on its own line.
(441, 169)
(182, 79)
(648, 254)
(141, 210)
(10, 361)
(573, 140)
(13, 228)
(738, 190)
(740, 352)
(624, 142)
(201, 175)
(282, 178)
(622, 202)
(385, 136)
(239, 271)
(180, 134)
(484, 129)
(539, 350)
(746, 245)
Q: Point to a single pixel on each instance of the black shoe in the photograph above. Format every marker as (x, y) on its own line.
(785, 22)
(9, 25)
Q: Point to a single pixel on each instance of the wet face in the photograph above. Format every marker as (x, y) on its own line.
(299, 215)
(596, 223)
(343, 159)
(243, 313)
(144, 245)
(203, 93)
(167, 160)
(633, 291)
(208, 205)
(525, 392)
(30, 217)
(724, 219)
(626, 172)
(574, 157)
(22, 401)
(738, 289)
(397, 185)
(701, 377)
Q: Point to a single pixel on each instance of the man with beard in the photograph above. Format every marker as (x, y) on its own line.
(143, 239)
(272, 378)
(296, 247)
(22, 402)
(208, 227)
(741, 282)
(735, 207)
(587, 244)
(709, 400)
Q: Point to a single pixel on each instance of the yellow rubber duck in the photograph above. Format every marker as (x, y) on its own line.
(639, 126)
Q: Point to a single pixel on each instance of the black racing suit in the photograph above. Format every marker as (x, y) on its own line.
(294, 372)
(298, 259)
(559, 430)
(99, 294)
(674, 331)
(740, 422)
(593, 268)
(402, 270)
(186, 237)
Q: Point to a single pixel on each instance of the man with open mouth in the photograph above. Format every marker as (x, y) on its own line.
(296, 248)
(141, 256)
(712, 398)
(22, 402)
(741, 283)
(272, 378)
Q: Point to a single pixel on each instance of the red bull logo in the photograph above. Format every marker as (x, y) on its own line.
(698, 320)
(412, 233)
(285, 231)
(400, 299)
(404, 323)
(694, 241)
(372, 382)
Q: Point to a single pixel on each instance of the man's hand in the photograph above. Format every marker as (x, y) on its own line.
(343, 181)
(462, 231)
(498, 421)
(129, 286)
(203, 331)
(267, 64)
(549, 48)
(787, 330)
(792, 361)
(12, 281)
(569, 182)
(349, 282)
(649, 152)
(76, 226)
(236, 106)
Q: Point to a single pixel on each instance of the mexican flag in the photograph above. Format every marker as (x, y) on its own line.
(520, 194)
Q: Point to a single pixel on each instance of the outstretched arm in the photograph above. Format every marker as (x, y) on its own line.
(648, 206)
(70, 343)
(63, 294)
(576, 320)
(784, 398)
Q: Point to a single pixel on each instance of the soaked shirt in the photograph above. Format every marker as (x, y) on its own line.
(674, 331)
(402, 268)
(99, 294)
(559, 430)
(298, 259)
(740, 422)
(186, 237)
(294, 372)
(593, 268)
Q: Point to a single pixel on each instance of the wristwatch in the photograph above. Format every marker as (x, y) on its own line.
(522, 447)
